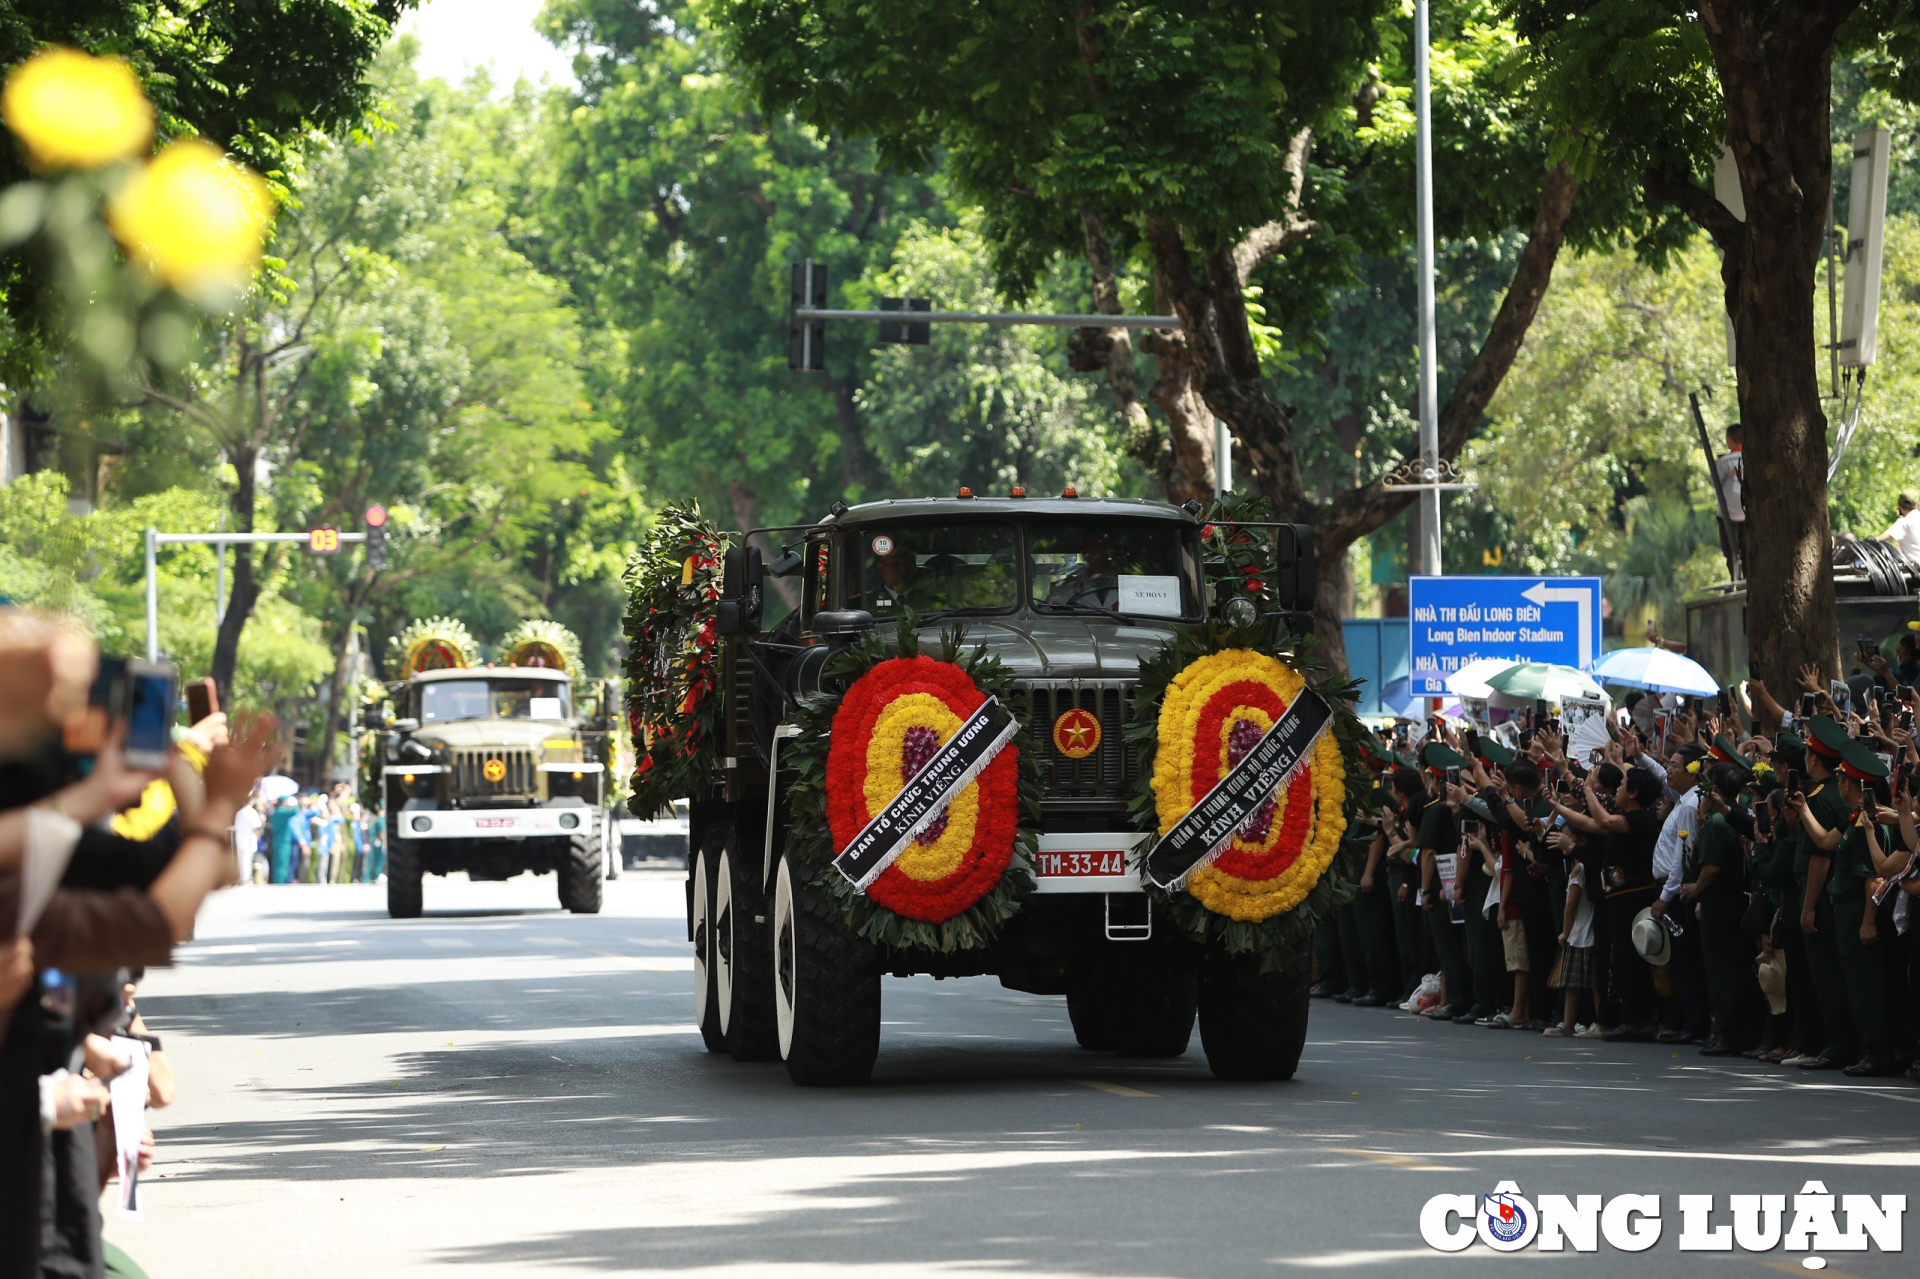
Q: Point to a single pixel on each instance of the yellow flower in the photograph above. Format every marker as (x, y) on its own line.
(75, 111)
(194, 219)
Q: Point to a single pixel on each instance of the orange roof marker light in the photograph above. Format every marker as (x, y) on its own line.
(1069, 491)
(965, 492)
(1018, 491)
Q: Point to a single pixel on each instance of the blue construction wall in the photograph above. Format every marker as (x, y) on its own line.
(1377, 656)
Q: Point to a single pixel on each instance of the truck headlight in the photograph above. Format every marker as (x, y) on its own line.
(422, 823)
(569, 821)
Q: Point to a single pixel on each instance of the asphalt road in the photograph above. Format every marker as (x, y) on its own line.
(507, 1088)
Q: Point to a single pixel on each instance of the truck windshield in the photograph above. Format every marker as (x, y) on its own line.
(934, 567)
(493, 699)
(1116, 566)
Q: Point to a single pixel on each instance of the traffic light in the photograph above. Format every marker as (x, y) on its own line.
(910, 332)
(807, 339)
(324, 540)
(376, 521)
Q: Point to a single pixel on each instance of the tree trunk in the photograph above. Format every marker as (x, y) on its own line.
(1333, 600)
(1110, 351)
(246, 588)
(1189, 471)
(1776, 74)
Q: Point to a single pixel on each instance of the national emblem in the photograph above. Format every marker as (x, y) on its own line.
(494, 770)
(1076, 734)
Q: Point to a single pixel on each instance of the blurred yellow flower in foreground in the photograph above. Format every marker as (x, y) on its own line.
(194, 219)
(76, 111)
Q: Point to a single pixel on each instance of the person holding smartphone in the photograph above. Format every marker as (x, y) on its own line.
(1437, 835)
(1856, 862)
(1822, 814)
(1714, 892)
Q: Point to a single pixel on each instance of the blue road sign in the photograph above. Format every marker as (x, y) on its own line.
(1454, 620)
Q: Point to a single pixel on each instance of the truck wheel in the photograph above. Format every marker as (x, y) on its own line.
(1253, 1025)
(1151, 1013)
(706, 1003)
(743, 983)
(826, 989)
(1090, 1010)
(404, 898)
(580, 873)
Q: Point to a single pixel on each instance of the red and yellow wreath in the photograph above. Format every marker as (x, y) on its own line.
(1215, 710)
(888, 726)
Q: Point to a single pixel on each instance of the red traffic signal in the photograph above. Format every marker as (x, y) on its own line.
(376, 516)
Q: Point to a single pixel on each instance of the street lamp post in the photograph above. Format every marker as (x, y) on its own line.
(1429, 539)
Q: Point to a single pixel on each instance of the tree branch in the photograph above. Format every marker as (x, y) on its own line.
(1264, 241)
(1698, 203)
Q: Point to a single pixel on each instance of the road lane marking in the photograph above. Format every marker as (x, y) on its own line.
(447, 943)
(1395, 1161)
(1118, 1090)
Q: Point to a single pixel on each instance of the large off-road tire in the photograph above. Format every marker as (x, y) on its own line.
(1152, 1013)
(706, 1003)
(580, 873)
(743, 979)
(1253, 1025)
(1090, 1010)
(826, 987)
(1134, 1012)
(404, 896)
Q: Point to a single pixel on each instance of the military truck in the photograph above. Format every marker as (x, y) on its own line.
(1040, 583)
(494, 770)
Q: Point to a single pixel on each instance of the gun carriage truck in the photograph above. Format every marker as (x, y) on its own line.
(493, 771)
(1071, 595)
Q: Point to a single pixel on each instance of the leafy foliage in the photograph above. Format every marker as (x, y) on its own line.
(673, 695)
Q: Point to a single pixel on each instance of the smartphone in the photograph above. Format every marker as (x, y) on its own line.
(1453, 777)
(1864, 648)
(1595, 756)
(1807, 703)
(1796, 782)
(1469, 826)
(1753, 668)
(203, 699)
(1723, 704)
(152, 692)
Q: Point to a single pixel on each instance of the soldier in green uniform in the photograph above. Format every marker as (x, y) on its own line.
(1805, 1035)
(1410, 933)
(1715, 889)
(1373, 903)
(1484, 953)
(1438, 835)
(1823, 808)
(1856, 861)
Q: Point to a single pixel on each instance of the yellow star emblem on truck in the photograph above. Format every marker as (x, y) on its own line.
(494, 770)
(1076, 734)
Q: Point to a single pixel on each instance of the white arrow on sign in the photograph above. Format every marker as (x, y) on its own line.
(1542, 594)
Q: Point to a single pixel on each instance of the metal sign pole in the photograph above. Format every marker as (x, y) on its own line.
(1222, 458)
(155, 539)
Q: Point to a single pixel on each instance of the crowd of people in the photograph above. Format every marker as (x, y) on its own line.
(323, 838)
(106, 855)
(1735, 874)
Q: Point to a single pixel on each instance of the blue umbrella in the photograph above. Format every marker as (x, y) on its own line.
(1656, 669)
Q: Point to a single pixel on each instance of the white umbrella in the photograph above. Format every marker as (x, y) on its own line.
(1656, 669)
(275, 786)
(1471, 680)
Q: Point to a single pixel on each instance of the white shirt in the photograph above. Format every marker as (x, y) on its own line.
(1669, 855)
(1732, 470)
(1581, 934)
(246, 831)
(1905, 534)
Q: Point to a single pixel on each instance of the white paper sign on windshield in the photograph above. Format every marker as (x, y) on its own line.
(543, 708)
(1149, 595)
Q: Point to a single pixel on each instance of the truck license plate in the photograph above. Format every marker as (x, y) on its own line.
(492, 823)
(1070, 865)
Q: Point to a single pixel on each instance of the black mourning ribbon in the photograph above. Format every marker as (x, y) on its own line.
(983, 736)
(1199, 837)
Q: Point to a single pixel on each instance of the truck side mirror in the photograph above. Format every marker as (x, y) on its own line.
(742, 585)
(373, 715)
(842, 623)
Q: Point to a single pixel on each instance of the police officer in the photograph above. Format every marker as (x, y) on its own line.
(1822, 815)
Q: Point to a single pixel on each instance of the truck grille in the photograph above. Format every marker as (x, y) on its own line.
(1107, 774)
(470, 778)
